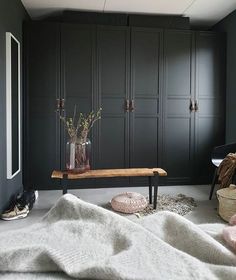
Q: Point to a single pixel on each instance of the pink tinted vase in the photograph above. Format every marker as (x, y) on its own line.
(78, 155)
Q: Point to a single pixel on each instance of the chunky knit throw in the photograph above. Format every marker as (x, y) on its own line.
(78, 240)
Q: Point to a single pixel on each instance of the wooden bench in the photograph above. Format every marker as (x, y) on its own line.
(153, 175)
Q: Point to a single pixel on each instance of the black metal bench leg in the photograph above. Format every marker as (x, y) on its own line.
(156, 181)
(64, 183)
(213, 184)
(150, 189)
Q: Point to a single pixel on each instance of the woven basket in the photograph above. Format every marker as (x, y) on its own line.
(227, 202)
(129, 202)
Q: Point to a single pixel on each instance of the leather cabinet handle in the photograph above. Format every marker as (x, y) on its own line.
(63, 104)
(131, 107)
(192, 106)
(58, 105)
(127, 105)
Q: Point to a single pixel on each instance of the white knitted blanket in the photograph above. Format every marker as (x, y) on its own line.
(82, 241)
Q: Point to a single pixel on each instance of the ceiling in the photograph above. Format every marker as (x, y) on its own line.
(201, 12)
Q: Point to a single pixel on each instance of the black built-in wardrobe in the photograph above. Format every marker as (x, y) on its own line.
(162, 92)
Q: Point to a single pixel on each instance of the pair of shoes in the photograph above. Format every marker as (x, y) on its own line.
(18, 212)
(27, 197)
(20, 205)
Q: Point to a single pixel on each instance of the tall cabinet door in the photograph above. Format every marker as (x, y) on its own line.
(113, 90)
(178, 118)
(77, 73)
(41, 120)
(145, 97)
(210, 101)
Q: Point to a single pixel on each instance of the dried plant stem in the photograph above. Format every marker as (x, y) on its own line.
(78, 131)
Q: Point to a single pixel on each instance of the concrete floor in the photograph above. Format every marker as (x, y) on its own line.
(205, 212)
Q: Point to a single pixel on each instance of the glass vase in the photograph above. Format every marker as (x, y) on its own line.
(78, 155)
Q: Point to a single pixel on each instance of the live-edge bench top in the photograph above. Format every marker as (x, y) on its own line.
(106, 173)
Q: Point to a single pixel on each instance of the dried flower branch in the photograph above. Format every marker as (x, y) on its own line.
(79, 130)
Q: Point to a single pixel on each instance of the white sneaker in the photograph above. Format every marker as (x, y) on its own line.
(15, 213)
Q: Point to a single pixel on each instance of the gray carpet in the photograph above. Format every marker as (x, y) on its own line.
(205, 212)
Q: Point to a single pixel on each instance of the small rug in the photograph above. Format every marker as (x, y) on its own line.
(180, 204)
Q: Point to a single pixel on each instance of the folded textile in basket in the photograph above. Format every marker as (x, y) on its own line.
(227, 169)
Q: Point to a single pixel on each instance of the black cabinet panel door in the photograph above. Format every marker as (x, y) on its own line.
(42, 149)
(161, 93)
(77, 52)
(77, 72)
(210, 98)
(77, 78)
(178, 118)
(113, 89)
(145, 87)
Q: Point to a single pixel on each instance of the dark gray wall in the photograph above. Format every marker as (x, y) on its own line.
(228, 25)
(12, 15)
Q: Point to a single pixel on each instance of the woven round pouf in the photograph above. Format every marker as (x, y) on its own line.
(128, 202)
